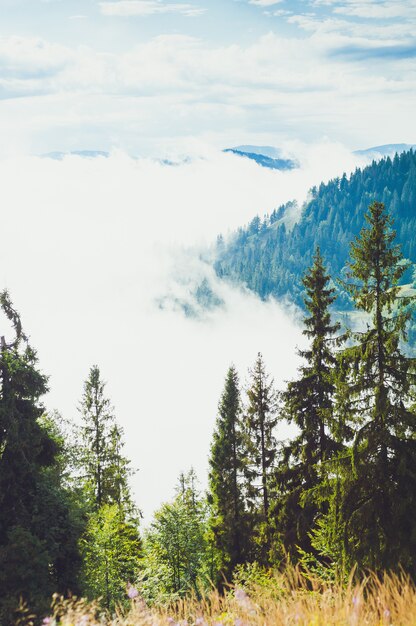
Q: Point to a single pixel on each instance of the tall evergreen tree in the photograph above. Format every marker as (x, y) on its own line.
(104, 469)
(375, 387)
(111, 543)
(260, 419)
(225, 479)
(308, 403)
(38, 541)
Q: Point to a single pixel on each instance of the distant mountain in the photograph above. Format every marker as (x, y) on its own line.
(271, 255)
(388, 149)
(266, 156)
(87, 154)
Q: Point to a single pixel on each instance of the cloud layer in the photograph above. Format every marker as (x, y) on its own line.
(89, 248)
(141, 8)
(342, 69)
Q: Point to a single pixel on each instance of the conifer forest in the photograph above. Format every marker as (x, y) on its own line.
(333, 503)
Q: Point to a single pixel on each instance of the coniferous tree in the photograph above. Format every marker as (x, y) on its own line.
(375, 384)
(308, 403)
(225, 479)
(176, 551)
(111, 547)
(259, 421)
(111, 543)
(38, 540)
(104, 469)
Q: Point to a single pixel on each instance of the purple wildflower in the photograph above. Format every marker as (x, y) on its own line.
(243, 599)
(132, 592)
(240, 595)
(47, 621)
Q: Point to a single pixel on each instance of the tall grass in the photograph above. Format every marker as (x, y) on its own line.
(291, 599)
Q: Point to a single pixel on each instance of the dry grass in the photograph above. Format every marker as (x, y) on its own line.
(293, 599)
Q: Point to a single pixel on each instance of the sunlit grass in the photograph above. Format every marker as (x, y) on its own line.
(290, 599)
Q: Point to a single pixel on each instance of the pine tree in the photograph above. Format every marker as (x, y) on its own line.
(105, 470)
(111, 546)
(225, 479)
(38, 540)
(259, 423)
(308, 403)
(376, 380)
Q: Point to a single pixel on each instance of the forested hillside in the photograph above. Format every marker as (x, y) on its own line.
(270, 258)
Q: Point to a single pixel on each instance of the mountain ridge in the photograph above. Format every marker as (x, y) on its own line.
(270, 259)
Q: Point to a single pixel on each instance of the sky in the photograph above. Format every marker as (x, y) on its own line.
(92, 248)
(159, 76)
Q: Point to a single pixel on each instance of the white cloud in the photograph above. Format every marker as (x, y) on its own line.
(141, 8)
(382, 9)
(265, 3)
(174, 86)
(29, 56)
(388, 33)
(88, 248)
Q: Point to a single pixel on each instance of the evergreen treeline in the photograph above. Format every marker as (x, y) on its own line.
(340, 493)
(270, 257)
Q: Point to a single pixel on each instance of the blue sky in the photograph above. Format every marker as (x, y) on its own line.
(149, 76)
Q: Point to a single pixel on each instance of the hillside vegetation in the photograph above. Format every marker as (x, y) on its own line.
(270, 258)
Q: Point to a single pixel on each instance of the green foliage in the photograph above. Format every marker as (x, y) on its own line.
(110, 549)
(270, 257)
(259, 422)
(111, 546)
(376, 382)
(227, 459)
(177, 554)
(38, 533)
(256, 580)
(103, 469)
(308, 403)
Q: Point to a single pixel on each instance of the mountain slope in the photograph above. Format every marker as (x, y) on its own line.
(389, 149)
(264, 156)
(270, 258)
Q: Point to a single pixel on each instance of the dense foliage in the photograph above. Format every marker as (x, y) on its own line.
(344, 485)
(38, 527)
(270, 256)
(227, 463)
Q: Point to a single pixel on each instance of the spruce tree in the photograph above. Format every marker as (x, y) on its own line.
(308, 403)
(111, 543)
(225, 479)
(260, 419)
(38, 539)
(376, 381)
(105, 471)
